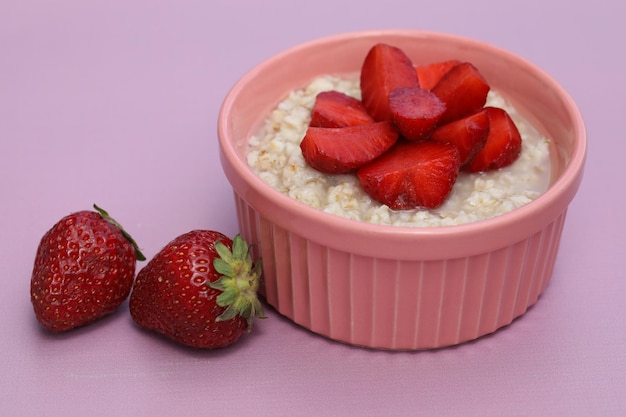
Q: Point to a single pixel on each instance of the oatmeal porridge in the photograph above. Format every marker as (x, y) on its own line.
(274, 155)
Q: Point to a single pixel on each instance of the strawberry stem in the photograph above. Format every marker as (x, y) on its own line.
(140, 256)
(239, 282)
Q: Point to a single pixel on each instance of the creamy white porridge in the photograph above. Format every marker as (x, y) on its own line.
(274, 155)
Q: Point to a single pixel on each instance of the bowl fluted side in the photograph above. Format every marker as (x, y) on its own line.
(399, 304)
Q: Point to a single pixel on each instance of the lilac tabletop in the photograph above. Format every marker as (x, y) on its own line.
(115, 103)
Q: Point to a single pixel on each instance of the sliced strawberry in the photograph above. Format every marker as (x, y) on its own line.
(415, 111)
(345, 149)
(468, 134)
(336, 109)
(384, 69)
(463, 90)
(503, 144)
(429, 75)
(412, 175)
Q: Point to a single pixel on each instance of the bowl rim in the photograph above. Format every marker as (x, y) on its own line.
(456, 239)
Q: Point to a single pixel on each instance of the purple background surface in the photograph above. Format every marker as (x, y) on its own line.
(115, 102)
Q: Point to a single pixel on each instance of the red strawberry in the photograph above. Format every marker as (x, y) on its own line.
(503, 144)
(345, 149)
(415, 111)
(200, 290)
(84, 269)
(412, 175)
(336, 109)
(429, 75)
(384, 69)
(468, 134)
(463, 90)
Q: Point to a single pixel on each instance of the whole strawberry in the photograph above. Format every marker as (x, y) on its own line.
(84, 269)
(199, 290)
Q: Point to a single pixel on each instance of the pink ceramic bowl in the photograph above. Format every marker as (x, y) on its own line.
(392, 287)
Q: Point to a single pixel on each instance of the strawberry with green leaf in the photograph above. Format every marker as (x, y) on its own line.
(84, 269)
(200, 290)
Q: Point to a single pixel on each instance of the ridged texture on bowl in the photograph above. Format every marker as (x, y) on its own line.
(391, 304)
